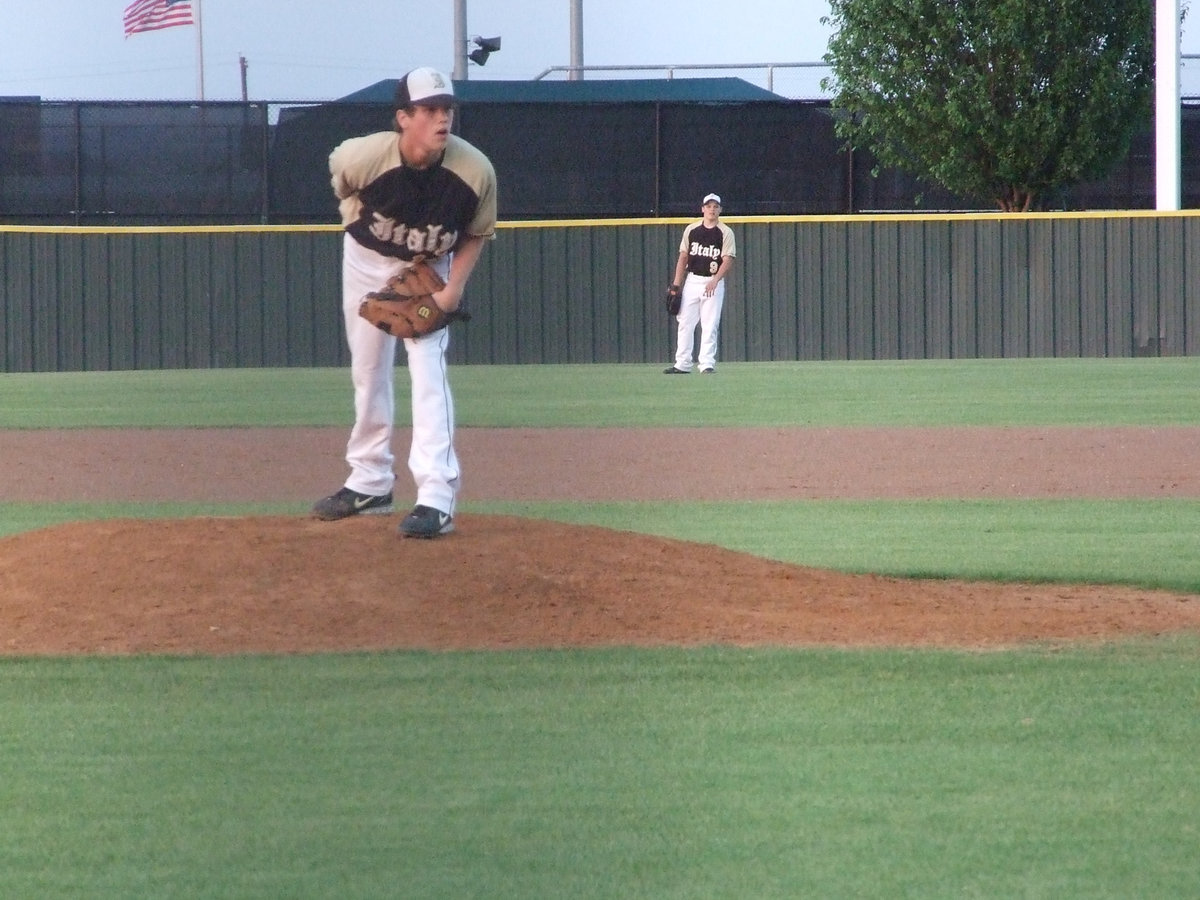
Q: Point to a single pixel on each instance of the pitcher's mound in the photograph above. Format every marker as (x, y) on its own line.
(293, 584)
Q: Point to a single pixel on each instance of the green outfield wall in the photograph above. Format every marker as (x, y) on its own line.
(958, 285)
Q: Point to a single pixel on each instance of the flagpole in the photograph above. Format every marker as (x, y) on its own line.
(199, 50)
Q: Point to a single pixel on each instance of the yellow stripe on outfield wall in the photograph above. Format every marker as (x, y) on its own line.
(856, 218)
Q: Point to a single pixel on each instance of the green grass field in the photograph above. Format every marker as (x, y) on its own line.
(625, 773)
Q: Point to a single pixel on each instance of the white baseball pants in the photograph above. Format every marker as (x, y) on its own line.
(431, 459)
(697, 308)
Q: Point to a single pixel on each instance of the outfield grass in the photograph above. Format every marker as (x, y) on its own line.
(673, 773)
(614, 774)
(925, 393)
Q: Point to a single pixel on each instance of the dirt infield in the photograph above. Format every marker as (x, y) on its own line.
(291, 584)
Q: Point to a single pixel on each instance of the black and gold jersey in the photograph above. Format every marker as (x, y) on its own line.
(705, 246)
(404, 212)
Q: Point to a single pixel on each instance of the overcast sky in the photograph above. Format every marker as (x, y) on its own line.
(323, 49)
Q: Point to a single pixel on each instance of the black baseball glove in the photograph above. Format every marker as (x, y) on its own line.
(674, 299)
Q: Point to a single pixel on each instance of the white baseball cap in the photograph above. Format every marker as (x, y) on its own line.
(711, 197)
(424, 87)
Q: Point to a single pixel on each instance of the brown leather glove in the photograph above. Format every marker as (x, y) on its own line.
(405, 307)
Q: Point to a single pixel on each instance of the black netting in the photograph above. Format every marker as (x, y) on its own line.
(134, 163)
(229, 163)
(568, 160)
(303, 138)
(172, 163)
(37, 163)
(763, 158)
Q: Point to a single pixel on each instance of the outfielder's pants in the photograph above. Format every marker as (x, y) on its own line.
(707, 311)
(431, 459)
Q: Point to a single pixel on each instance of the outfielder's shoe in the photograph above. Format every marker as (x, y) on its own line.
(675, 371)
(426, 522)
(708, 371)
(347, 503)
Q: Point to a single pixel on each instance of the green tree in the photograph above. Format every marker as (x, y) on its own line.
(1001, 100)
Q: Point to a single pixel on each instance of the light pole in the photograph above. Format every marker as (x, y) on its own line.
(460, 40)
(1166, 105)
(484, 47)
(576, 40)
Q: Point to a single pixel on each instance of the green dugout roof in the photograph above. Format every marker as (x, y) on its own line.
(619, 90)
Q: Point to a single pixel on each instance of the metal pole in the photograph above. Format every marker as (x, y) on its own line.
(199, 52)
(1166, 105)
(460, 40)
(576, 40)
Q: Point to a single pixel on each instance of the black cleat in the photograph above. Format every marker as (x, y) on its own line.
(346, 503)
(426, 522)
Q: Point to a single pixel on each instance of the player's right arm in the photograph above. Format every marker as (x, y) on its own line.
(681, 265)
(355, 163)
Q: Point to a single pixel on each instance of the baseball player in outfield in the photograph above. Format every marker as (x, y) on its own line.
(706, 255)
(416, 192)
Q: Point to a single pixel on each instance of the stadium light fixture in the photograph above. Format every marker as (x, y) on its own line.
(484, 47)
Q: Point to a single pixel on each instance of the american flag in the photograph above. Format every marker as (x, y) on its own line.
(151, 15)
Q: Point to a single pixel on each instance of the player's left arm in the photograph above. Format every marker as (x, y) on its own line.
(462, 264)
